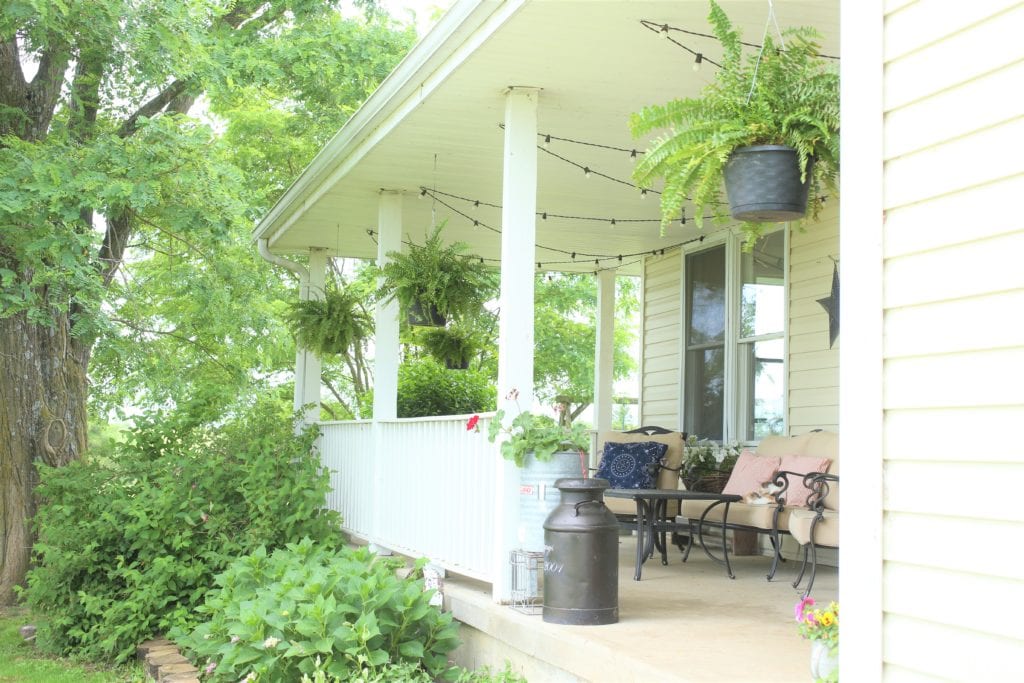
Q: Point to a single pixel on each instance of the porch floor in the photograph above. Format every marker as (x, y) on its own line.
(681, 622)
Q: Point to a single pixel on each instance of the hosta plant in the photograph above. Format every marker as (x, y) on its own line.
(784, 94)
(307, 608)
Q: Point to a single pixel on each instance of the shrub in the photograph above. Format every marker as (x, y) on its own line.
(406, 673)
(307, 609)
(128, 548)
(426, 388)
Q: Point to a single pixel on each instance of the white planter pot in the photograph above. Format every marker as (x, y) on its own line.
(823, 662)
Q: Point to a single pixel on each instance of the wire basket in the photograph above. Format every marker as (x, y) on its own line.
(527, 581)
(708, 482)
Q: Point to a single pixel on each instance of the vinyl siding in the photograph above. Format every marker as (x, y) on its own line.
(661, 340)
(953, 342)
(813, 387)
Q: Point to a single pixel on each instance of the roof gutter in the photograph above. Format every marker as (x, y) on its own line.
(296, 268)
(465, 17)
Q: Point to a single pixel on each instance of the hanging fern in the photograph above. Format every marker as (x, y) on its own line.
(794, 101)
(435, 274)
(333, 325)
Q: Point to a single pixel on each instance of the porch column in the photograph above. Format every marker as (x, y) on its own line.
(307, 363)
(604, 352)
(385, 359)
(515, 327)
(385, 363)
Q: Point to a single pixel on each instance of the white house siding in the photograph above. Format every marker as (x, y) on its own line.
(953, 341)
(813, 385)
(661, 340)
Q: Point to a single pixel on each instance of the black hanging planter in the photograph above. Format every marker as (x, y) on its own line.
(429, 316)
(763, 184)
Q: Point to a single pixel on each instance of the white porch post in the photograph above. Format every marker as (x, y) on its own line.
(386, 346)
(515, 328)
(603, 352)
(307, 363)
(385, 364)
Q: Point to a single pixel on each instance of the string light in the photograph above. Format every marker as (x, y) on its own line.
(697, 60)
(423, 192)
(586, 171)
(665, 31)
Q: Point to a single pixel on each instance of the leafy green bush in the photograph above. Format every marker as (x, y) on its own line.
(128, 548)
(407, 673)
(343, 612)
(426, 388)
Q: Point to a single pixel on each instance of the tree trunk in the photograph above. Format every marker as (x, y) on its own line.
(42, 419)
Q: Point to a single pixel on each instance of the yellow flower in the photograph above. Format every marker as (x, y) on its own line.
(827, 619)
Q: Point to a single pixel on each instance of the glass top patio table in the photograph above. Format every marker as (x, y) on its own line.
(651, 522)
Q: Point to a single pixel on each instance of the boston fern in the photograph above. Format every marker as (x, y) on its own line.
(785, 94)
(331, 325)
(435, 274)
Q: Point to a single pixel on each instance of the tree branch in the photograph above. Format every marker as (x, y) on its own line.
(180, 337)
(153, 107)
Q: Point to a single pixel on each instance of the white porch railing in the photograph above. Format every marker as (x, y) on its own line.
(429, 493)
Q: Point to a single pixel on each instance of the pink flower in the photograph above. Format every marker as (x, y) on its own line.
(471, 426)
(802, 606)
(210, 667)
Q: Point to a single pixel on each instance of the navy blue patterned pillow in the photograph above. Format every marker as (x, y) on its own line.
(631, 465)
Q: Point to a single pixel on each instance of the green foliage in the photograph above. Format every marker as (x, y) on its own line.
(408, 673)
(426, 388)
(332, 325)
(23, 662)
(565, 329)
(786, 96)
(437, 275)
(454, 346)
(306, 608)
(128, 548)
(537, 434)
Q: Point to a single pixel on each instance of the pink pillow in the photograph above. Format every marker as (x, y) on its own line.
(750, 472)
(796, 493)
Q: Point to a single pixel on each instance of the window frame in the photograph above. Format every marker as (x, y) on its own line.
(734, 413)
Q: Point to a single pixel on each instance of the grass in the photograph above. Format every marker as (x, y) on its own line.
(22, 662)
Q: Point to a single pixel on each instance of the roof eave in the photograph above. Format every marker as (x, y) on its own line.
(438, 46)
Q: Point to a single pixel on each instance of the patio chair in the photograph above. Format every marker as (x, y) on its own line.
(667, 476)
(817, 524)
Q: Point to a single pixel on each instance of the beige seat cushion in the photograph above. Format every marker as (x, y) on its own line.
(759, 516)
(825, 533)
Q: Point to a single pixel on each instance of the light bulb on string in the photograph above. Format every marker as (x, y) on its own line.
(547, 141)
(697, 61)
(423, 193)
(586, 171)
(664, 31)
(643, 194)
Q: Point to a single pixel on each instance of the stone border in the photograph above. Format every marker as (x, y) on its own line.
(164, 663)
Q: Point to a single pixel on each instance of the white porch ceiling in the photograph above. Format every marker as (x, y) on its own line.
(595, 64)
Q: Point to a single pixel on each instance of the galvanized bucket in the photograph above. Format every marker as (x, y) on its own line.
(538, 495)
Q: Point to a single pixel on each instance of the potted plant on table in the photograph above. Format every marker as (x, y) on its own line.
(768, 123)
(706, 465)
(434, 281)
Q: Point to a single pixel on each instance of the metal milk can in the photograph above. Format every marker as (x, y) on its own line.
(581, 556)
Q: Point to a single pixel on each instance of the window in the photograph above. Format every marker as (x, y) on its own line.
(734, 384)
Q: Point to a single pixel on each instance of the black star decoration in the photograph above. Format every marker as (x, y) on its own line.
(831, 306)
